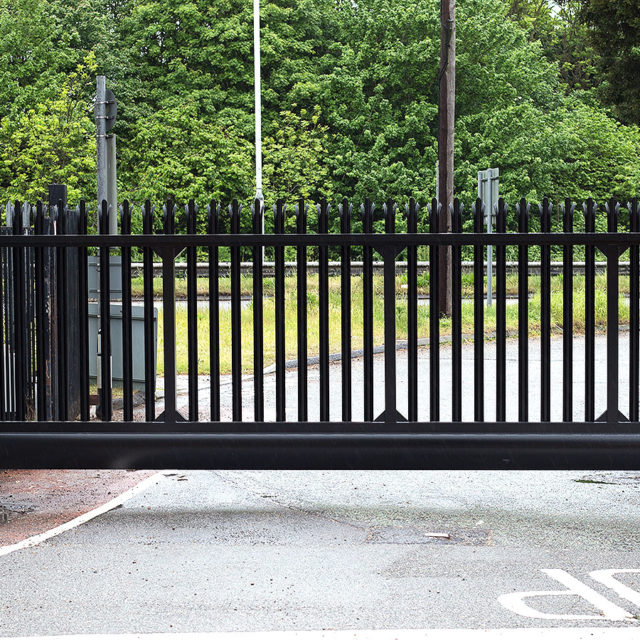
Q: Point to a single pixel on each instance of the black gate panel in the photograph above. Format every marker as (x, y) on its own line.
(46, 419)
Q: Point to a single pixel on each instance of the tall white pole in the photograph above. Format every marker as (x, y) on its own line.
(258, 101)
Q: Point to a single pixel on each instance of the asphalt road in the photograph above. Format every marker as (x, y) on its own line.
(268, 551)
(281, 551)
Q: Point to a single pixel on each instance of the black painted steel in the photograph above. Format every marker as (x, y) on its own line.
(191, 211)
(41, 313)
(106, 404)
(612, 413)
(411, 216)
(361, 446)
(301, 255)
(545, 315)
(170, 413)
(478, 315)
(149, 341)
(83, 262)
(590, 208)
(523, 315)
(368, 209)
(127, 329)
(501, 316)
(20, 320)
(323, 311)
(434, 315)
(567, 314)
(258, 321)
(280, 211)
(345, 210)
(390, 413)
(236, 316)
(213, 229)
(390, 443)
(634, 314)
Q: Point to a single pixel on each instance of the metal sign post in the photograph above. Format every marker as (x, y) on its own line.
(489, 192)
(106, 110)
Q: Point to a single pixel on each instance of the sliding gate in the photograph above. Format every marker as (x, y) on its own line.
(346, 359)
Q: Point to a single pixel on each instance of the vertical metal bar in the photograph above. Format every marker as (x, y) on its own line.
(280, 211)
(61, 292)
(590, 208)
(83, 261)
(345, 313)
(390, 378)
(170, 413)
(613, 208)
(567, 315)
(368, 209)
(213, 220)
(456, 315)
(19, 317)
(411, 214)
(434, 316)
(257, 213)
(149, 329)
(40, 321)
(105, 318)
(501, 315)
(127, 335)
(634, 314)
(478, 315)
(523, 315)
(323, 284)
(236, 317)
(301, 255)
(192, 313)
(3, 342)
(545, 315)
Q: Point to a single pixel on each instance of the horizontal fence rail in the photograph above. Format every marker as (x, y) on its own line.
(390, 371)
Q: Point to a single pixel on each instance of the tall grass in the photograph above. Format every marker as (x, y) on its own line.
(268, 328)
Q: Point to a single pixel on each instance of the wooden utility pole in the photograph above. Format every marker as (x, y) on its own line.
(446, 123)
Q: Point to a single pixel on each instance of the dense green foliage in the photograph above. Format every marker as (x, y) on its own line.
(349, 98)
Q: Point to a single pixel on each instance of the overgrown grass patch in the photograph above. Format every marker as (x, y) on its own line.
(356, 319)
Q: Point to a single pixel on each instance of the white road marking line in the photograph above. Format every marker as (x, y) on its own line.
(593, 633)
(605, 577)
(611, 612)
(82, 519)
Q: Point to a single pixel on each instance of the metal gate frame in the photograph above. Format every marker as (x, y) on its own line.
(388, 441)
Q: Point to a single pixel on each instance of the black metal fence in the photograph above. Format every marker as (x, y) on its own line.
(447, 414)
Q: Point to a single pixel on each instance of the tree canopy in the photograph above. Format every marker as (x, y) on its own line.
(349, 97)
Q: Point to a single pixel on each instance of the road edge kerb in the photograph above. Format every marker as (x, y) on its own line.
(119, 500)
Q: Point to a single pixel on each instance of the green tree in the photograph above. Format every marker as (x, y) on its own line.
(53, 141)
(614, 28)
(177, 155)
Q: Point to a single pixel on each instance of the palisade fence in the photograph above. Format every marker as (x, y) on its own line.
(481, 401)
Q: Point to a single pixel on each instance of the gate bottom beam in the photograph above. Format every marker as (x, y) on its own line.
(332, 446)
